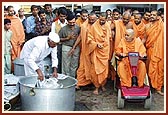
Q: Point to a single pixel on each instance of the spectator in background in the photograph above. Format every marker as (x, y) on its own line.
(77, 15)
(5, 12)
(139, 27)
(43, 27)
(7, 46)
(56, 26)
(55, 11)
(68, 35)
(61, 22)
(146, 17)
(22, 18)
(31, 22)
(18, 37)
(116, 14)
(161, 13)
(108, 12)
(50, 16)
(133, 14)
(108, 15)
(83, 17)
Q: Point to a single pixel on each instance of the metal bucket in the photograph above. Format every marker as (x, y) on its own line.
(47, 99)
(19, 66)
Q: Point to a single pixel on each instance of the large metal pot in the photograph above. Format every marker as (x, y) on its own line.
(47, 99)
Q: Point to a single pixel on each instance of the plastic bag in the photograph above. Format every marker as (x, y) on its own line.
(52, 82)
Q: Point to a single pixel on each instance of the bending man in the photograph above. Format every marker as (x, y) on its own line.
(35, 50)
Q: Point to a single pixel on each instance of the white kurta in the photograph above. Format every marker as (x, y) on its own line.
(7, 51)
(34, 51)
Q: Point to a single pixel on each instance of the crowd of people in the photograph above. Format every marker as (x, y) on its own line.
(84, 47)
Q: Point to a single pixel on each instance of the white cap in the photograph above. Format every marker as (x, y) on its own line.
(54, 37)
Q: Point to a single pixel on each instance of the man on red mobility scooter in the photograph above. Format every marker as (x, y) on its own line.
(132, 70)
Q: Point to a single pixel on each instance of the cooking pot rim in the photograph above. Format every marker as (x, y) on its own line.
(25, 85)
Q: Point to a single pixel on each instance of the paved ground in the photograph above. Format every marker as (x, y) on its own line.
(107, 101)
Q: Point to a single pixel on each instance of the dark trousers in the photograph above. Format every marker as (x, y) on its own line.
(59, 55)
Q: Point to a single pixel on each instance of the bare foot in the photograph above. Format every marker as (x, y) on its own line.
(103, 89)
(96, 91)
(161, 93)
(77, 87)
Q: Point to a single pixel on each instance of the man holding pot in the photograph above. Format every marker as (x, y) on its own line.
(35, 50)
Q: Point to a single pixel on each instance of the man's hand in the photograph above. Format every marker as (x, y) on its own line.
(99, 46)
(40, 75)
(72, 36)
(68, 37)
(71, 52)
(55, 74)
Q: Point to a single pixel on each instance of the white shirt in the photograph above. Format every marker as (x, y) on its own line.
(36, 49)
(53, 27)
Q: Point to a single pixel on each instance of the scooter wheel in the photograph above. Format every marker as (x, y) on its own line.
(148, 102)
(120, 100)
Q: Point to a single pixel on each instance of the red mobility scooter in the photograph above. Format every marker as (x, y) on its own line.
(134, 93)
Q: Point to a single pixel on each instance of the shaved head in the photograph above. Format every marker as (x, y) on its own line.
(135, 12)
(126, 18)
(131, 31)
(129, 35)
(127, 14)
(92, 18)
(103, 14)
(137, 18)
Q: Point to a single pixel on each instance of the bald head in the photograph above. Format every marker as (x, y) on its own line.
(137, 18)
(103, 14)
(102, 18)
(135, 12)
(129, 36)
(92, 18)
(126, 18)
(131, 31)
(127, 14)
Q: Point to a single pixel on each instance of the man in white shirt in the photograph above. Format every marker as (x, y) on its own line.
(61, 22)
(35, 50)
(56, 26)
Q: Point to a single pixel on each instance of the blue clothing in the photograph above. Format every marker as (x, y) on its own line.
(30, 24)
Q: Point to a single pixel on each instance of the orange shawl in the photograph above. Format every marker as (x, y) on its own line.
(83, 72)
(119, 31)
(79, 21)
(99, 35)
(124, 70)
(135, 46)
(145, 22)
(18, 36)
(139, 30)
(155, 52)
(155, 39)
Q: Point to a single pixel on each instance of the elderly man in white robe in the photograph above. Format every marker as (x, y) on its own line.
(35, 50)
